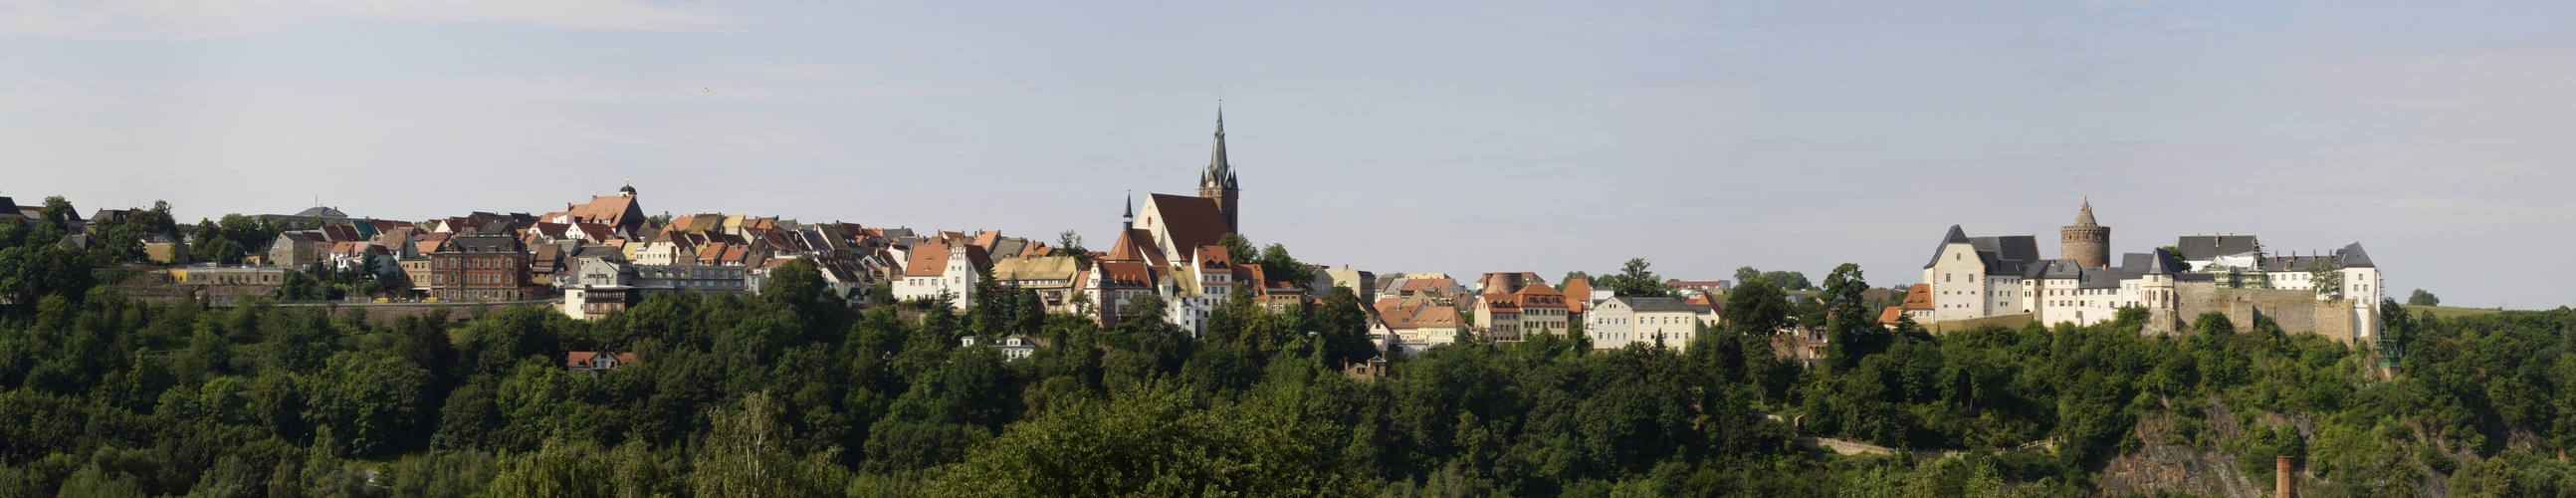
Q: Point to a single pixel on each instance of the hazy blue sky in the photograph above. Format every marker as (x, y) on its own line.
(1390, 136)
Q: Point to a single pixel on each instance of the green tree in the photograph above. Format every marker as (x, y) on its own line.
(1789, 280)
(1855, 333)
(1343, 325)
(2328, 278)
(1278, 266)
(374, 405)
(2423, 298)
(1634, 280)
(1757, 308)
(1070, 244)
(1155, 442)
(798, 285)
(1237, 248)
(747, 453)
(1746, 274)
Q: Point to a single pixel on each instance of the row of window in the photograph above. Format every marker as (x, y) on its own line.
(479, 263)
(1662, 320)
(1638, 336)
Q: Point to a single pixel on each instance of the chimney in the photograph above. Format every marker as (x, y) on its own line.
(2284, 484)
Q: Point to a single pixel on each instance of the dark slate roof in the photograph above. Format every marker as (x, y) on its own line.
(2207, 247)
(2290, 263)
(1956, 236)
(485, 243)
(2097, 278)
(321, 212)
(1009, 246)
(2012, 248)
(2351, 256)
(2159, 262)
(2055, 269)
(2008, 255)
(610, 252)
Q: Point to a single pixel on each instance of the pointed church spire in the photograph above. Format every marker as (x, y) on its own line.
(2084, 217)
(1128, 221)
(1219, 174)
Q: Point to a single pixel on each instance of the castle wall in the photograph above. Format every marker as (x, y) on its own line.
(2012, 321)
(2295, 311)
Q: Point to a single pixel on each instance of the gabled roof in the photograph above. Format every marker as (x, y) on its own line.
(1432, 284)
(321, 212)
(2157, 262)
(1124, 275)
(2208, 247)
(928, 260)
(1049, 268)
(614, 210)
(2352, 256)
(1192, 222)
(1956, 236)
(1136, 245)
(1918, 297)
(1577, 291)
(582, 358)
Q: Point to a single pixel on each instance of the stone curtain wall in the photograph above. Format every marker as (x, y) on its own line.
(2296, 311)
(2012, 321)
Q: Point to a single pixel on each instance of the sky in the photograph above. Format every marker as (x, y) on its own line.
(1460, 137)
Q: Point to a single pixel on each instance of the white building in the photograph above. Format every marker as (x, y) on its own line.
(1619, 321)
(1987, 276)
(952, 267)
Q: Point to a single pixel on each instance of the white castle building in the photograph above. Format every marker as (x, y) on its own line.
(1980, 277)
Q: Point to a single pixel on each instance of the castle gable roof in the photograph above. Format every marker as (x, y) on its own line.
(2208, 247)
(2352, 256)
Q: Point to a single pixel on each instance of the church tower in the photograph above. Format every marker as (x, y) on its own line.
(1217, 182)
(2086, 243)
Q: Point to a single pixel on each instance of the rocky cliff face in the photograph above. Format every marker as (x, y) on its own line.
(2182, 469)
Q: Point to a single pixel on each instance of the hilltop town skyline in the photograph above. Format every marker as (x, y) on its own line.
(1702, 138)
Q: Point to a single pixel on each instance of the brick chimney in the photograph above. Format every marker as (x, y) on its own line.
(2284, 483)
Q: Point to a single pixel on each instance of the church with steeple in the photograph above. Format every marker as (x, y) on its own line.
(1170, 247)
(1177, 225)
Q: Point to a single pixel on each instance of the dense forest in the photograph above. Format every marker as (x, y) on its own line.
(782, 394)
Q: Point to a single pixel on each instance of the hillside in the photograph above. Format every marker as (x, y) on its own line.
(783, 395)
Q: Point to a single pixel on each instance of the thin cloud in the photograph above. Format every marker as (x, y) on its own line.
(192, 19)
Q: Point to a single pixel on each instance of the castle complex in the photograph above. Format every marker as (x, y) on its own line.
(2336, 293)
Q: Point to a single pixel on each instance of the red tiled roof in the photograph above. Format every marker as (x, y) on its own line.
(1193, 222)
(1919, 297)
(1577, 292)
(1125, 275)
(582, 358)
(615, 210)
(928, 260)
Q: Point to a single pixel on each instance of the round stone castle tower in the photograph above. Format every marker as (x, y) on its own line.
(2085, 242)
